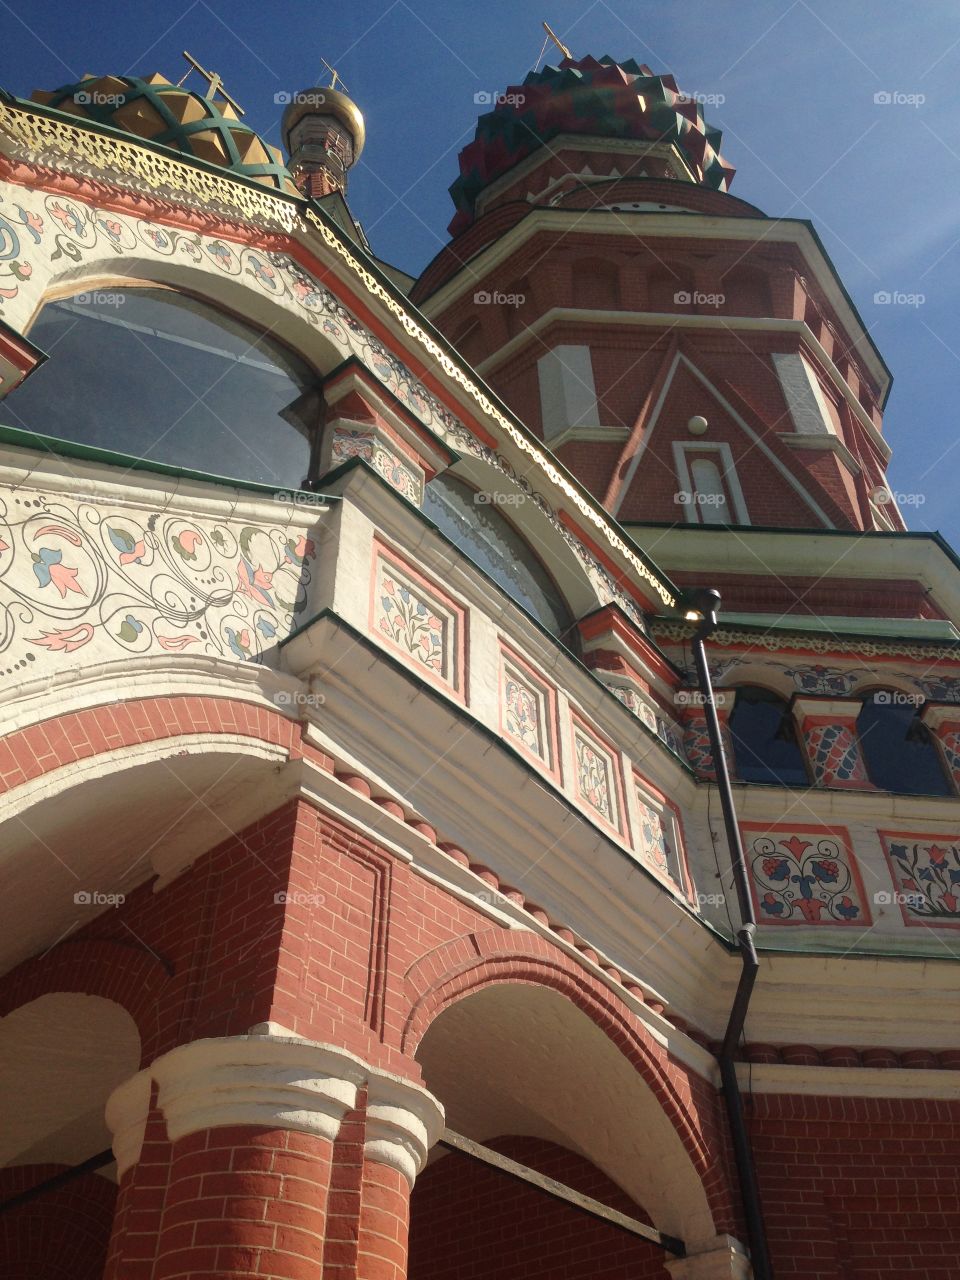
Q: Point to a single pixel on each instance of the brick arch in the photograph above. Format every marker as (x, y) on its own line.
(62, 1235)
(132, 977)
(492, 958)
(60, 741)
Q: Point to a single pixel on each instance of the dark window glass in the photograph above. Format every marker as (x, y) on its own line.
(482, 533)
(765, 743)
(163, 377)
(899, 753)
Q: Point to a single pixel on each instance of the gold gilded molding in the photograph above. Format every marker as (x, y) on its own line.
(519, 438)
(45, 141)
(775, 641)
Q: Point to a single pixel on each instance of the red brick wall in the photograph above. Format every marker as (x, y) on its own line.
(859, 1188)
(469, 1222)
(61, 1235)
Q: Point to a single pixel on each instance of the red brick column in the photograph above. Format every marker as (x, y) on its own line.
(227, 1163)
(402, 1124)
(245, 1201)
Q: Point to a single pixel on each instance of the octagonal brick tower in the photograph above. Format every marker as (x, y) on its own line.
(688, 358)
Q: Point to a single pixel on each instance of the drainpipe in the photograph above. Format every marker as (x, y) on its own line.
(702, 609)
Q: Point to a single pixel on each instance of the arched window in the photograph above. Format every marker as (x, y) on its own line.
(898, 750)
(709, 492)
(477, 528)
(764, 738)
(166, 378)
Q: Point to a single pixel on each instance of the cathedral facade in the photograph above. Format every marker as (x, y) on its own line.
(408, 872)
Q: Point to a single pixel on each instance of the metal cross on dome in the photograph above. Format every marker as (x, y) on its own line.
(214, 83)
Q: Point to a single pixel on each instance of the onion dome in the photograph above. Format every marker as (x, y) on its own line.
(182, 120)
(592, 98)
(324, 133)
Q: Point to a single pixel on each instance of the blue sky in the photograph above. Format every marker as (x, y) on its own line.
(798, 79)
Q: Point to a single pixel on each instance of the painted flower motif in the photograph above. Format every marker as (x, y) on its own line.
(811, 909)
(49, 568)
(776, 868)
(132, 550)
(772, 905)
(21, 270)
(160, 241)
(847, 908)
(186, 542)
(68, 218)
(64, 641)
(263, 272)
(826, 870)
(239, 642)
(130, 628)
(266, 628)
(300, 550)
(254, 582)
(796, 847)
(4, 546)
(32, 221)
(113, 228)
(938, 856)
(220, 253)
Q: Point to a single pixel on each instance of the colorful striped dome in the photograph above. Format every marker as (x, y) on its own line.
(595, 98)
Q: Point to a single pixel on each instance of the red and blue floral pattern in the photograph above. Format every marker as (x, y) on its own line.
(926, 872)
(805, 877)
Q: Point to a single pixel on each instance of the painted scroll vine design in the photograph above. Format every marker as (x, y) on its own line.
(805, 881)
(141, 582)
(67, 228)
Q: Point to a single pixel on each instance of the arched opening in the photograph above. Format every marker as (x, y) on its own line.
(61, 1056)
(520, 1068)
(746, 291)
(669, 289)
(764, 737)
(897, 747)
(163, 376)
(472, 520)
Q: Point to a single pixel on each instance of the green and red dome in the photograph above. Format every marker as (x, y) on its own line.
(591, 97)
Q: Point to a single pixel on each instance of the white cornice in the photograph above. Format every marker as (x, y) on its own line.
(848, 1082)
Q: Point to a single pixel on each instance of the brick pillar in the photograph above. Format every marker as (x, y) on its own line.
(240, 1178)
(828, 730)
(726, 1259)
(401, 1127)
(943, 721)
(696, 740)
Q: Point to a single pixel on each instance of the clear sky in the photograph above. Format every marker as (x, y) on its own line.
(795, 82)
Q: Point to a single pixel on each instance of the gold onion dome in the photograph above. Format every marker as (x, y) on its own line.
(180, 119)
(324, 102)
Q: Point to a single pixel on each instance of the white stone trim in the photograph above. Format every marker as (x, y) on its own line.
(274, 1078)
(403, 1123)
(728, 474)
(256, 1080)
(728, 408)
(568, 393)
(803, 396)
(849, 1082)
(126, 1116)
(727, 1261)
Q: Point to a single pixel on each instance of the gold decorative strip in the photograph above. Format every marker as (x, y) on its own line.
(777, 641)
(519, 438)
(43, 140)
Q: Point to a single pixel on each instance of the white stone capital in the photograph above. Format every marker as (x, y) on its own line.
(278, 1080)
(126, 1116)
(282, 1083)
(725, 1259)
(403, 1122)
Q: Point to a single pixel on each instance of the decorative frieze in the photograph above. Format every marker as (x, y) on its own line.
(804, 875)
(926, 877)
(418, 620)
(528, 710)
(597, 781)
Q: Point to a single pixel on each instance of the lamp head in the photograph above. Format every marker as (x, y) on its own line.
(702, 606)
